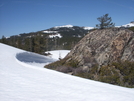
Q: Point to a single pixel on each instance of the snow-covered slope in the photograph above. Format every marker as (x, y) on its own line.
(88, 28)
(22, 82)
(56, 54)
(129, 25)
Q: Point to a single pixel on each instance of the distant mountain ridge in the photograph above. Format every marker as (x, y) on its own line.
(68, 30)
(131, 24)
(56, 29)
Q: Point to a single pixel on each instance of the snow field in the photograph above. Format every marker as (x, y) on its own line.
(58, 53)
(20, 81)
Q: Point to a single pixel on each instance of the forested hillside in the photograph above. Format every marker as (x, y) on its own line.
(51, 39)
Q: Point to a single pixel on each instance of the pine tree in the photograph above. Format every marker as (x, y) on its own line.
(105, 22)
(18, 42)
(3, 40)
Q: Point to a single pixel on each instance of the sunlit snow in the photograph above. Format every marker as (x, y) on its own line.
(20, 81)
(68, 26)
(88, 28)
(55, 35)
(50, 31)
(127, 25)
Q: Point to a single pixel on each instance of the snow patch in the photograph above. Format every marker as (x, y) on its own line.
(55, 35)
(88, 28)
(68, 26)
(56, 54)
(50, 31)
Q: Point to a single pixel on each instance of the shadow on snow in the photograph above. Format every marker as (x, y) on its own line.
(33, 57)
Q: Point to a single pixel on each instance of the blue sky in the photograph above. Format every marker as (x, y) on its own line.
(24, 16)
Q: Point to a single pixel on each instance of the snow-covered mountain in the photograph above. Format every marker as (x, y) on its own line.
(71, 27)
(78, 29)
(20, 81)
(67, 31)
(131, 24)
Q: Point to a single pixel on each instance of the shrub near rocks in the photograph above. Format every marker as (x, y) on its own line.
(126, 69)
(117, 73)
(63, 66)
(131, 28)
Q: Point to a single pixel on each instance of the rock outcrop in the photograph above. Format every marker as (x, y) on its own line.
(103, 47)
(105, 55)
(100, 47)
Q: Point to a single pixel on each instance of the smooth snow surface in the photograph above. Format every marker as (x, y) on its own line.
(88, 28)
(22, 82)
(56, 54)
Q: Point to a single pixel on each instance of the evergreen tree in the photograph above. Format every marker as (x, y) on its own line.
(18, 42)
(3, 40)
(105, 22)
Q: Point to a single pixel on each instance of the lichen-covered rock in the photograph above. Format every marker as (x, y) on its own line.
(103, 47)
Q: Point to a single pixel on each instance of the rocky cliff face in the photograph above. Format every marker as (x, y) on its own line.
(103, 47)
